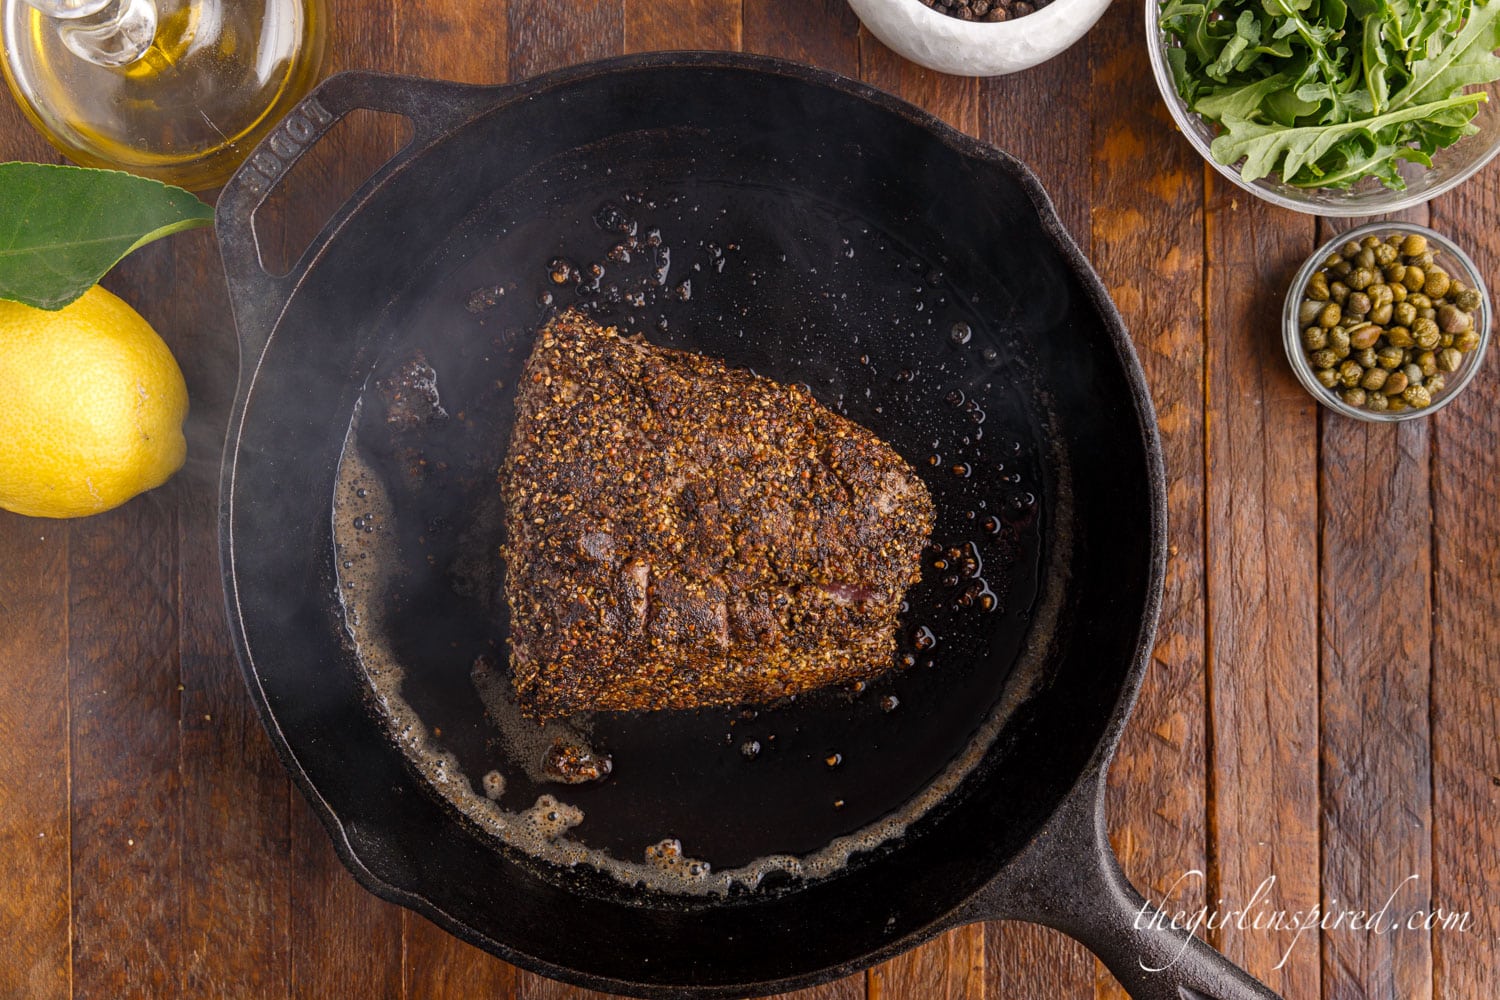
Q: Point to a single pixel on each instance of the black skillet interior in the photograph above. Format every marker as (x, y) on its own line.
(911, 280)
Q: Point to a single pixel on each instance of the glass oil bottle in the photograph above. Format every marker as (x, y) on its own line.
(178, 90)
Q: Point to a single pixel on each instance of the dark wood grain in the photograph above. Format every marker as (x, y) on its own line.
(1147, 222)
(1375, 586)
(822, 32)
(651, 26)
(1465, 638)
(34, 814)
(123, 696)
(1262, 590)
(545, 35)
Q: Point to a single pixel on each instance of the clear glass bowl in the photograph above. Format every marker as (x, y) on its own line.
(1450, 167)
(1454, 261)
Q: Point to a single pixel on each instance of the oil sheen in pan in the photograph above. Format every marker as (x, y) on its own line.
(497, 788)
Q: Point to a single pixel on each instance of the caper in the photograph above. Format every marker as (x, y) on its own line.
(1365, 358)
(1370, 242)
(1379, 293)
(1427, 361)
(1395, 384)
(1338, 291)
(1308, 311)
(1354, 396)
(1399, 336)
(1394, 273)
(1437, 283)
(1452, 319)
(1446, 340)
(1413, 374)
(1341, 269)
(1385, 254)
(1331, 260)
(1449, 359)
(1360, 278)
(1404, 313)
(1327, 377)
(1426, 333)
(1426, 312)
(1350, 373)
(1395, 404)
(1374, 379)
(1416, 396)
(1377, 401)
(1423, 260)
(1419, 301)
(1436, 384)
(1414, 278)
(1363, 335)
(1381, 314)
(1365, 259)
(1349, 250)
(1323, 359)
(1317, 287)
(1358, 304)
(1413, 244)
(1398, 292)
(1467, 300)
(1330, 314)
(1467, 341)
(1338, 339)
(1314, 338)
(1389, 357)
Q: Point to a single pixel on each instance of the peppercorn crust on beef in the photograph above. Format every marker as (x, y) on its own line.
(683, 534)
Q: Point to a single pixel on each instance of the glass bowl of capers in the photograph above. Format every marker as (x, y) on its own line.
(1386, 322)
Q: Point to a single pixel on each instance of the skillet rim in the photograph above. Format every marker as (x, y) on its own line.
(493, 98)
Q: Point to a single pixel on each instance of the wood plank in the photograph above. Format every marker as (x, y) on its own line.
(652, 26)
(1029, 962)
(954, 99)
(34, 819)
(545, 35)
(123, 677)
(440, 965)
(1375, 597)
(823, 33)
(344, 941)
(1026, 961)
(1466, 636)
(848, 988)
(234, 836)
(949, 967)
(1262, 544)
(1147, 221)
(454, 40)
(35, 827)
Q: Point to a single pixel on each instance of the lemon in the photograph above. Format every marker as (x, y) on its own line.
(91, 407)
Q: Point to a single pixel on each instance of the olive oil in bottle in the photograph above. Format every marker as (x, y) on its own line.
(178, 90)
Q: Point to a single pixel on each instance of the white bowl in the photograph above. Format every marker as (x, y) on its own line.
(977, 48)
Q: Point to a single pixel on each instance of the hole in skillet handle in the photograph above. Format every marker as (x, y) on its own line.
(327, 173)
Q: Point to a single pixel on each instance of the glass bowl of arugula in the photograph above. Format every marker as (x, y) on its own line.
(1333, 107)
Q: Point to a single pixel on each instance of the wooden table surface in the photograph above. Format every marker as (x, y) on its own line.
(1322, 706)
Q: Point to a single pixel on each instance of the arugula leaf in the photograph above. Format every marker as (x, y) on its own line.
(1328, 92)
(63, 228)
(1263, 146)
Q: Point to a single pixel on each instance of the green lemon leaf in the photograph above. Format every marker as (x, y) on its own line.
(63, 228)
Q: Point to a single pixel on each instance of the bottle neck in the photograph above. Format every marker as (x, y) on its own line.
(106, 32)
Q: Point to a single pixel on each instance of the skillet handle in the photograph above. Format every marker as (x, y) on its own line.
(1068, 878)
(257, 296)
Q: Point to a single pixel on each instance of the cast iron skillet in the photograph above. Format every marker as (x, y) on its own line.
(838, 237)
